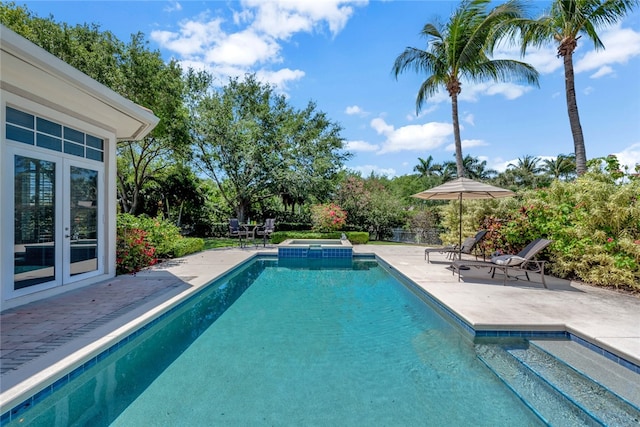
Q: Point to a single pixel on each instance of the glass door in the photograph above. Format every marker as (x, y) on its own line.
(81, 227)
(57, 221)
(35, 243)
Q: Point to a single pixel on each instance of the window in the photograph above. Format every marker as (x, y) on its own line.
(29, 129)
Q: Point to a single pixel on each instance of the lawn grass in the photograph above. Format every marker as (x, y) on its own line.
(219, 242)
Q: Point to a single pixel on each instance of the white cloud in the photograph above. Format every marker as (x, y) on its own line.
(282, 18)
(542, 58)
(508, 90)
(413, 137)
(280, 78)
(588, 90)
(469, 118)
(173, 7)
(354, 110)
(423, 112)
(467, 143)
(620, 45)
(366, 170)
(194, 37)
(244, 49)
(380, 126)
(254, 42)
(630, 156)
(602, 71)
(360, 146)
(471, 92)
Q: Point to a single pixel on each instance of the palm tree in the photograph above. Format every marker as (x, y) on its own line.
(565, 23)
(459, 50)
(526, 170)
(477, 169)
(427, 167)
(563, 166)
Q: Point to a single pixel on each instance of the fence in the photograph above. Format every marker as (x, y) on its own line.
(429, 236)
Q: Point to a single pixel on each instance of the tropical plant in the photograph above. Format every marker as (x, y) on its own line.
(564, 23)
(459, 50)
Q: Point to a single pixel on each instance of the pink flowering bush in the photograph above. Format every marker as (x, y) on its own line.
(328, 217)
(133, 251)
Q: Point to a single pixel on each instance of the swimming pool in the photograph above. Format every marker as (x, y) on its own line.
(335, 342)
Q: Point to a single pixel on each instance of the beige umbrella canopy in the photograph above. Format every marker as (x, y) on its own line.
(463, 188)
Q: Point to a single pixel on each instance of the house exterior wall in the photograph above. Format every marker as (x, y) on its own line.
(10, 297)
(34, 82)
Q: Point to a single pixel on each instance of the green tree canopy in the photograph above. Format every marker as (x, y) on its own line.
(254, 145)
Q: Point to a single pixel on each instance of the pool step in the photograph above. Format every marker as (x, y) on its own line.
(551, 387)
(619, 379)
(544, 400)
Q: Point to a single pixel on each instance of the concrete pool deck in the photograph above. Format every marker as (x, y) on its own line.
(45, 338)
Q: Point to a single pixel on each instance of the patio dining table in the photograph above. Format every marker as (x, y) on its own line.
(249, 232)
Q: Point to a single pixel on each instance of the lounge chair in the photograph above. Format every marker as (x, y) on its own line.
(468, 246)
(266, 230)
(524, 261)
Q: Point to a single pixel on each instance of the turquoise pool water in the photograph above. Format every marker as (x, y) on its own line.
(279, 343)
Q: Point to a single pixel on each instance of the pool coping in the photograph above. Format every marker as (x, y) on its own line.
(22, 395)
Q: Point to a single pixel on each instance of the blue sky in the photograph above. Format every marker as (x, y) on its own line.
(340, 54)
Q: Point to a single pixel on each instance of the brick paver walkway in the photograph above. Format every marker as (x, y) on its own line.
(29, 331)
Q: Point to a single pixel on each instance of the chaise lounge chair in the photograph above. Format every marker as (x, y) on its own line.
(467, 247)
(524, 261)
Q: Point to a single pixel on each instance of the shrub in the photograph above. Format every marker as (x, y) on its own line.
(142, 240)
(594, 223)
(329, 217)
(133, 250)
(186, 246)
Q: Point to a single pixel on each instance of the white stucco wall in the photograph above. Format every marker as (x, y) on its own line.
(36, 82)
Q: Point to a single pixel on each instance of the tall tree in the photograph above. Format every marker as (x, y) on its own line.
(159, 86)
(460, 50)
(565, 23)
(249, 140)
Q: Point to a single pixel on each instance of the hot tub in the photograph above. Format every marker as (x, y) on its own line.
(315, 248)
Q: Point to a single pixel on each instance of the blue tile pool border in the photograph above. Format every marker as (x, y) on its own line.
(448, 314)
(306, 252)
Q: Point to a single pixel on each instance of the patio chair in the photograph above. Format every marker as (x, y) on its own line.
(524, 261)
(266, 230)
(235, 230)
(468, 246)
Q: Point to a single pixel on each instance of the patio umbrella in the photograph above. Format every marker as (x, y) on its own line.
(463, 188)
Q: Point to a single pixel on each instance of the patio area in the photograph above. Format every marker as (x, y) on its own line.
(42, 339)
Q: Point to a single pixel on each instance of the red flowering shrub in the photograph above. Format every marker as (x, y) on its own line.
(329, 217)
(133, 251)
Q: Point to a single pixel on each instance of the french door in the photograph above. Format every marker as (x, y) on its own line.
(58, 236)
